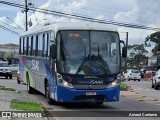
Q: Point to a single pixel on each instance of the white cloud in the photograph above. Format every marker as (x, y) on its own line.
(77, 4)
(135, 36)
(19, 20)
(101, 17)
(144, 13)
(3, 19)
(39, 18)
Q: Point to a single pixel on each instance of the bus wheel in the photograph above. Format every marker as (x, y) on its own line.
(47, 93)
(29, 88)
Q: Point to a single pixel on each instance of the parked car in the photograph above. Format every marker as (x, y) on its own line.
(133, 74)
(14, 67)
(156, 80)
(18, 77)
(5, 70)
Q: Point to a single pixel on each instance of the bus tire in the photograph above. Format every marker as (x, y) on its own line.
(29, 88)
(47, 94)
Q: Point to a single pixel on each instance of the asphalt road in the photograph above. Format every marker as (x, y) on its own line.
(93, 111)
(144, 88)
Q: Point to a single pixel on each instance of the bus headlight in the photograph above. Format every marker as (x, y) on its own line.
(62, 82)
(114, 83)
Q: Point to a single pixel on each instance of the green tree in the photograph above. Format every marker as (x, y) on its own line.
(9, 56)
(131, 51)
(154, 37)
(137, 54)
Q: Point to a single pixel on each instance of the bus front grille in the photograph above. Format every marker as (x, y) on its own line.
(90, 87)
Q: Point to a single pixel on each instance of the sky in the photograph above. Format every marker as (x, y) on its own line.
(140, 12)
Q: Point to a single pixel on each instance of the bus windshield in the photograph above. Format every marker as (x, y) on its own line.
(88, 52)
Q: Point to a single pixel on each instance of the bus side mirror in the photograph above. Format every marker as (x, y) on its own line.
(122, 42)
(53, 51)
(124, 52)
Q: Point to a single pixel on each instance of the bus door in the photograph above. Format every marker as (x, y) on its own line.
(53, 54)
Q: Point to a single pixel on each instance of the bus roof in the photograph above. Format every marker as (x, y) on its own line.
(70, 26)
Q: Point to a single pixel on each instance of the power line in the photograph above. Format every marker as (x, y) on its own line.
(9, 30)
(53, 12)
(92, 19)
(15, 23)
(5, 23)
(110, 9)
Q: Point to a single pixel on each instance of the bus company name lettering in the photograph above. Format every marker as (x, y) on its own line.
(92, 82)
(33, 64)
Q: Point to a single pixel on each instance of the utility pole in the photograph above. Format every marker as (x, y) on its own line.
(26, 10)
(126, 52)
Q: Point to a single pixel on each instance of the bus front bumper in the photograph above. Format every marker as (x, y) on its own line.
(73, 95)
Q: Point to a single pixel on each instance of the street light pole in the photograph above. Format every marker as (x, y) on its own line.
(126, 52)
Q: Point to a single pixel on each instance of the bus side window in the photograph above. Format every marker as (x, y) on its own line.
(29, 45)
(51, 40)
(40, 45)
(25, 46)
(34, 45)
(46, 44)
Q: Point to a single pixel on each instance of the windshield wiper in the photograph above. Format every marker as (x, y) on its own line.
(82, 63)
(94, 61)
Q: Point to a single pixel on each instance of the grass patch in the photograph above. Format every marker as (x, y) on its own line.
(25, 105)
(122, 86)
(7, 89)
(14, 73)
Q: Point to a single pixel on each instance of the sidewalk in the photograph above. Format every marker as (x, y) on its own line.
(5, 100)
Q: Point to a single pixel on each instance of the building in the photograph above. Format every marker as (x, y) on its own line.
(152, 60)
(10, 47)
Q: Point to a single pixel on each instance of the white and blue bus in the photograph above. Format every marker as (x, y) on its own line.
(72, 62)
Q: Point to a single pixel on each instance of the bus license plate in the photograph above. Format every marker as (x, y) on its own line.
(90, 93)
